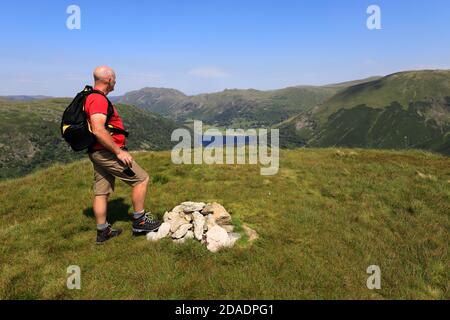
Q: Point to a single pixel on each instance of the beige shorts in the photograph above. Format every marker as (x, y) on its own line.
(107, 167)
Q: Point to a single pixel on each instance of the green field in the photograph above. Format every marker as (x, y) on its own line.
(322, 220)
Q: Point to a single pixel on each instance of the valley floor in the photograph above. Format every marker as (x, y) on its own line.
(322, 220)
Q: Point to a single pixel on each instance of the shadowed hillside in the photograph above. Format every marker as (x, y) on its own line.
(30, 136)
(402, 110)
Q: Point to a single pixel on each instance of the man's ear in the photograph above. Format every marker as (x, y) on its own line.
(110, 80)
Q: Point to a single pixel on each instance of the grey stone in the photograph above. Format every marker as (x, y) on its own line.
(190, 206)
(182, 230)
(162, 232)
(172, 215)
(176, 223)
(199, 223)
(151, 236)
(219, 212)
(216, 238)
(228, 227)
(210, 221)
(188, 217)
(178, 209)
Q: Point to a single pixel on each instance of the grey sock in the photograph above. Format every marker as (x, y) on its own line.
(103, 226)
(138, 215)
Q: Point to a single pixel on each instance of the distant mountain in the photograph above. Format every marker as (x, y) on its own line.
(114, 99)
(23, 98)
(347, 84)
(402, 110)
(238, 108)
(30, 137)
(159, 100)
(234, 107)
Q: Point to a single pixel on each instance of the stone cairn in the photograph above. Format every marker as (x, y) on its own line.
(208, 223)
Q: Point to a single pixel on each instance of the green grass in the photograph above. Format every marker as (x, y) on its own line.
(322, 221)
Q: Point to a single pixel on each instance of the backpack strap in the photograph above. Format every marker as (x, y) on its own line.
(109, 114)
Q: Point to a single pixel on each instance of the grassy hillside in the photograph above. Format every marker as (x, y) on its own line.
(159, 100)
(404, 88)
(388, 128)
(30, 136)
(234, 107)
(322, 221)
(403, 110)
(347, 84)
(231, 108)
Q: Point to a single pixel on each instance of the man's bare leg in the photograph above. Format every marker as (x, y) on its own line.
(138, 195)
(100, 207)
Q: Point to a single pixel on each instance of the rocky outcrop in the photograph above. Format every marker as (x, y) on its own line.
(211, 224)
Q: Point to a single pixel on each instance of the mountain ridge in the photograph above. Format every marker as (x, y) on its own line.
(415, 104)
(253, 107)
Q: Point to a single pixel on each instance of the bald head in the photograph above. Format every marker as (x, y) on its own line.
(105, 78)
(103, 73)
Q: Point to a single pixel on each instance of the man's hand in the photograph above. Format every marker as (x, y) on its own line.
(125, 158)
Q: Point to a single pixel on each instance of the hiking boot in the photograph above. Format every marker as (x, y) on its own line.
(145, 224)
(108, 233)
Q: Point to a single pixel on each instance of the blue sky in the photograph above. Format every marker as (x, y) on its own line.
(206, 45)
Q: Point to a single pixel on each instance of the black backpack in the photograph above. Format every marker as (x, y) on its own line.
(75, 127)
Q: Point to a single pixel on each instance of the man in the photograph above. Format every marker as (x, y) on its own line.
(111, 159)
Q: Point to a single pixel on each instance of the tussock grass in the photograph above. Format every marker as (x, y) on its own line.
(322, 221)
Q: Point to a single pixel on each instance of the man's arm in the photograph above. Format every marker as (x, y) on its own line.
(103, 136)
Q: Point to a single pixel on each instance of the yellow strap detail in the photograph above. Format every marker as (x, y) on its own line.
(65, 127)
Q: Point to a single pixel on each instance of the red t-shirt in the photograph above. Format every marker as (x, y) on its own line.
(97, 103)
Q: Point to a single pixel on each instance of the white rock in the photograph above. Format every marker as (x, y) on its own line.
(190, 206)
(228, 227)
(219, 212)
(182, 230)
(188, 217)
(189, 235)
(176, 223)
(172, 215)
(152, 236)
(162, 232)
(199, 223)
(210, 221)
(178, 209)
(216, 238)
